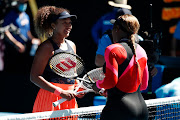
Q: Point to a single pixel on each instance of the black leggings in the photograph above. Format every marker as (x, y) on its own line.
(125, 106)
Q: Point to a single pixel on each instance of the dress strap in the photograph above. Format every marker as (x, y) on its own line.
(54, 44)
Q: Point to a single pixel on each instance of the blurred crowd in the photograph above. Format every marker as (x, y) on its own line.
(16, 37)
(18, 41)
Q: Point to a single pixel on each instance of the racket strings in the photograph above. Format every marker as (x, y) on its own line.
(95, 75)
(87, 85)
(67, 65)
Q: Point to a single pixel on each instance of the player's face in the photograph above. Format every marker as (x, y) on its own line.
(63, 27)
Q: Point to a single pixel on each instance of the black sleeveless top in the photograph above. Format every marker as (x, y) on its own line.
(49, 75)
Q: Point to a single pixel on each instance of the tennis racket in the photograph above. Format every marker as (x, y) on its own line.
(92, 76)
(67, 65)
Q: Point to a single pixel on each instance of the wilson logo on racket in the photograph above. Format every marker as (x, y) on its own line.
(68, 63)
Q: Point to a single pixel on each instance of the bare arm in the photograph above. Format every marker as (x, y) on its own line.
(99, 60)
(33, 39)
(19, 46)
(40, 61)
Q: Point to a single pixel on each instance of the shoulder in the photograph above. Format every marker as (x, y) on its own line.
(71, 43)
(139, 48)
(103, 43)
(116, 51)
(140, 51)
(25, 14)
(114, 48)
(45, 48)
(44, 52)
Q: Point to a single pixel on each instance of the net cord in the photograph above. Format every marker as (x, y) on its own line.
(54, 114)
(82, 110)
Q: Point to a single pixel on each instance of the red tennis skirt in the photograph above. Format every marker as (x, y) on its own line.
(44, 100)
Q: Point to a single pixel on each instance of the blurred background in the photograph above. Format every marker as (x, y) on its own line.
(156, 17)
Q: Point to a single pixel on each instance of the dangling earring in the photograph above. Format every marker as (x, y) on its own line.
(53, 26)
(51, 32)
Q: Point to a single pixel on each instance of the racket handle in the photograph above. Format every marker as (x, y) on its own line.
(59, 102)
(102, 90)
(84, 91)
(56, 103)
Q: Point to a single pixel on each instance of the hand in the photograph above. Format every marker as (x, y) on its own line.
(36, 41)
(81, 95)
(95, 88)
(68, 94)
(20, 47)
(103, 92)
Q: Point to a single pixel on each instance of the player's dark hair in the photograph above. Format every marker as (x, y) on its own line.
(130, 25)
(45, 16)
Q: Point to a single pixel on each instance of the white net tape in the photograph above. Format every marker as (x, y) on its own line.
(162, 108)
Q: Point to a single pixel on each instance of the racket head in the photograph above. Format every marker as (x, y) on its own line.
(67, 65)
(94, 75)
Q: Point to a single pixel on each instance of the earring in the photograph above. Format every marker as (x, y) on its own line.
(53, 27)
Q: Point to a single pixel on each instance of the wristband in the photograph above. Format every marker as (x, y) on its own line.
(58, 91)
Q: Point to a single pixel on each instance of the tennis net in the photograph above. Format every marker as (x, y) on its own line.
(159, 109)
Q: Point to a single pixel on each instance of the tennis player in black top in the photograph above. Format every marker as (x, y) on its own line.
(56, 24)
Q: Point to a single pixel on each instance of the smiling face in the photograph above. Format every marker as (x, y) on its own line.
(62, 27)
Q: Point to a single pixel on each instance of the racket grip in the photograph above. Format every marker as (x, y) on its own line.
(59, 102)
(84, 91)
(56, 103)
(102, 90)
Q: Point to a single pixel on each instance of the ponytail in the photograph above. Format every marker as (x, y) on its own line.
(132, 40)
(130, 25)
